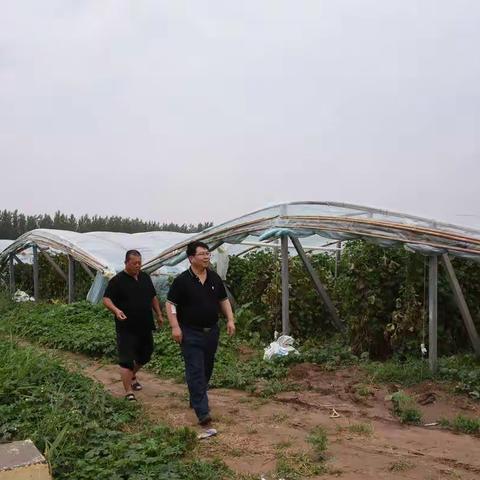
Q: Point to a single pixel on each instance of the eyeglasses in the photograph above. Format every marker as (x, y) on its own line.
(203, 254)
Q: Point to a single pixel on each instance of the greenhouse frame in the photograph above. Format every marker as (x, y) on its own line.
(301, 227)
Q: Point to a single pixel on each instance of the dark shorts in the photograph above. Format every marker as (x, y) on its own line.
(134, 347)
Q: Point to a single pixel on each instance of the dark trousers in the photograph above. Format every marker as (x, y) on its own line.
(198, 348)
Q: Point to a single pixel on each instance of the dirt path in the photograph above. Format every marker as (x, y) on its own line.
(365, 440)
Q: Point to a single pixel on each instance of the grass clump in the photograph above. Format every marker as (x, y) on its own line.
(296, 466)
(408, 373)
(463, 424)
(319, 441)
(401, 466)
(362, 429)
(404, 408)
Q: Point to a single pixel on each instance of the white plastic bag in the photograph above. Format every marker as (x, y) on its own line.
(21, 296)
(281, 347)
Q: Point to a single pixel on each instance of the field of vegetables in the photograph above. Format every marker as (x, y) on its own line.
(374, 373)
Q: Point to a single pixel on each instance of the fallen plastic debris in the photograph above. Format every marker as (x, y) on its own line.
(281, 347)
(334, 414)
(211, 432)
(20, 296)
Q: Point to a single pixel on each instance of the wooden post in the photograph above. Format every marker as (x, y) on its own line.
(318, 284)
(71, 279)
(11, 272)
(35, 274)
(285, 292)
(432, 313)
(462, 304)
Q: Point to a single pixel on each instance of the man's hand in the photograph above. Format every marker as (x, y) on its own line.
(120, 315)
(159, 321)
(230, 327)
(177, 334)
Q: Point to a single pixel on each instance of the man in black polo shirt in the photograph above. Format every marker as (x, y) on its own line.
(193, 304)
(130, 296)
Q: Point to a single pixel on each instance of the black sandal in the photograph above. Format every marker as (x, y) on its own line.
(130, 397)
(136, 386)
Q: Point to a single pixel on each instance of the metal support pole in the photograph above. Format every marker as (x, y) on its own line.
(432, 312)
(55, 265)
(35, 274)
(17, 259)
(318, 284)
(337, 258)
(71, 279)
(462, 304)
(285, 293)
(11, 271)
(89, 272)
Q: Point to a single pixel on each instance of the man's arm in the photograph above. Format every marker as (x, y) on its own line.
(157, 310)
(227, 311)
(172, 319)
(116, 311)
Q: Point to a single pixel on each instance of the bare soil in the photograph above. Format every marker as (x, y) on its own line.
(366, 441)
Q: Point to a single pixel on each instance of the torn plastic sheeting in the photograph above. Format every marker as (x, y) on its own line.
(340, 236)
(467, 256)
(424, 249)
(276, 233)
(381, 242)
(281, 232)
(99, 284)
(222, 262)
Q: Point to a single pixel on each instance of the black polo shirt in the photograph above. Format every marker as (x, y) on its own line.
(134, 298)
(197, 305)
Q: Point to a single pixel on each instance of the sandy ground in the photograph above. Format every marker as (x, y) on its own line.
(254, 432)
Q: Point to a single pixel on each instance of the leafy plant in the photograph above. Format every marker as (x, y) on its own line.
(463, 424)
(84, 432)
(319, 441)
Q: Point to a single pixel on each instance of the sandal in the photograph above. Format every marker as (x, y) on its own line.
(135, 385)
(130, 397)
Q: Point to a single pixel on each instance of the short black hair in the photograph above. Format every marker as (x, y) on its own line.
(132, 253)
(192, 248)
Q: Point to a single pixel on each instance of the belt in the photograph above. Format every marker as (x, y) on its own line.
(199, 329)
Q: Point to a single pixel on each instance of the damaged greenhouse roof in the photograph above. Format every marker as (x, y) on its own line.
(312, 222)
(334, 221)
(102, 251)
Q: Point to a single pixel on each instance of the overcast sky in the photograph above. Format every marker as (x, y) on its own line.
(205, 110)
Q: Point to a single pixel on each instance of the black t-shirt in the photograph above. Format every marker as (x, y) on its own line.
(197, 305)
(134, 298)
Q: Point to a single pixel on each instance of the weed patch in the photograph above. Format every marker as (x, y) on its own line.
(84, 432)
(404, 408)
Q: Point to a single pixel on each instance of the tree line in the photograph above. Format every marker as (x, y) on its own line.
(13, 224)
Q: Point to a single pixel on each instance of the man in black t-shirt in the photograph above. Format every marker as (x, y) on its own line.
(193, 303)
(131, 296)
